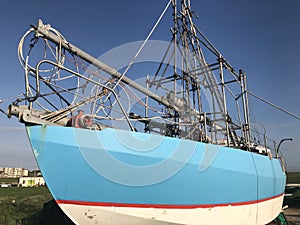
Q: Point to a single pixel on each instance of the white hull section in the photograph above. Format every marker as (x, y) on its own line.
(252, 214)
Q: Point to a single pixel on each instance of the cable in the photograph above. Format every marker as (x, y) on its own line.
(142, 46)
(273, 105)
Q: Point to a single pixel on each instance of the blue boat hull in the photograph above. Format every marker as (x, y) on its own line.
(137, 171)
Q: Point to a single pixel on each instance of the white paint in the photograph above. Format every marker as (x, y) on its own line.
(252, 214)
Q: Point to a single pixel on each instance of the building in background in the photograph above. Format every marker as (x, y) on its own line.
(31, 181)
(7, 172)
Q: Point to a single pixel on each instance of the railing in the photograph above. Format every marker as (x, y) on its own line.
(73, 107)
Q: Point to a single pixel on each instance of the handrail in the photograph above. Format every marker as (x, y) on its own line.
(282, 140)
(83, 77)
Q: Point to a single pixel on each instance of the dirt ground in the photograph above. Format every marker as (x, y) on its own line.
(293, 212)
(292, 215)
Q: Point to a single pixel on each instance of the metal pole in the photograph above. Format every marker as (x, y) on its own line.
(244, 128)
(175, 39)
(247, 106)
(147, 98)
(224, 98)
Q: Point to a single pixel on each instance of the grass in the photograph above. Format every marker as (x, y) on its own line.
(9, 180)
(17, 203)
(293, 178)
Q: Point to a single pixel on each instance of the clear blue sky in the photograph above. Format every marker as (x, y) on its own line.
(261, 37)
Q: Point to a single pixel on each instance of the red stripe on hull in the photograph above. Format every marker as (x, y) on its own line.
(163, 206)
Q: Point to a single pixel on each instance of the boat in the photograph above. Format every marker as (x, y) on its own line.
(173, 146)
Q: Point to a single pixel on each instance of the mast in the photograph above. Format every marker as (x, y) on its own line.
(245, 126)
(224, 99)
(247, 108)
(175, 31)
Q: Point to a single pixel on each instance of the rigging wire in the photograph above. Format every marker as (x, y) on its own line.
(273, 105)
(142, 46)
